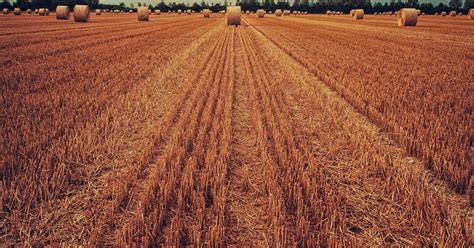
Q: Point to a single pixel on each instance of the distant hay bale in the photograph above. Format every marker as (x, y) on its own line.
(407, 17)
(179, 12)
(62, 12)
(452, 13)
(5, 11)
(17, 11)
(188, 11)
(278, 12)
(233, 15)
(116, 11)
(358, 14)
(247, 12)
(82, 13)
(328, 12)
(470, 14)
(436, 14)
(149, 11)
(418, 12)
(46, 11)
(351, 13)
(443, 13)
(143, 14)
(42, 12)
(36, 11)
(28, 11)
(286, 12)
(98, 12)
(260, 13)
(157, 12)
(130, 11)
(206, 13)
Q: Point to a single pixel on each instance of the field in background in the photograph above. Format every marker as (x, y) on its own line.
(292, 131)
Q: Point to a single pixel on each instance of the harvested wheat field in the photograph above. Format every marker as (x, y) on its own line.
(291, 131)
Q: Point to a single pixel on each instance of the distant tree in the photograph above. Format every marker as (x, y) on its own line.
(132, 6)
(122, 5)
(468, 4)
(139, 4)
(455, 4)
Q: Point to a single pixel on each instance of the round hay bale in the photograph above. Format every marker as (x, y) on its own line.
(436, 14)
(452, 13)
(130, 11)
(286, 12)
(5, 11)
(46, 10)
(278, 12)
(328, 12)
(28, 11)
(351, 13)
(42, 12)
(98, 12)
(17, 11)
(470, 14)
(407, 17)
(206, 13)
(358, 14)
(62, 12)
(157, 12)
(443, 13)
(36, 11)
(260, 13)
(143, 14)
(82, 13)
(179, 12)
(418, 12)
(188, 12)
(233, 15)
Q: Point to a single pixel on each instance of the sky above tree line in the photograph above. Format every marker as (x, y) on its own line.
(190, 2)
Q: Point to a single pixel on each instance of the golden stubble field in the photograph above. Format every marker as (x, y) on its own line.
(285, 131)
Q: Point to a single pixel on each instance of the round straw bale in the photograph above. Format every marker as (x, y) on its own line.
(470, 14)
(233, 15)
(98, 12)
(130, 11)
(206, 13)
(42, 12)
(260, 13)
(328, 12)
(407, 17)
(188, 11)
(452, 13)
(17, 11)
(278, 12)
(286, 12)
(46, 11)
(36, 11)
(247, 12)
(157, 12)
(28, 11)
(358, 14)
(62, 12)
(418, 12)
(143, 14)
(351, 13)
(179, 12)
(82, 13)
(6, 11)
(443, 13)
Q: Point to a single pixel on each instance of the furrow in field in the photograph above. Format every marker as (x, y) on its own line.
(63, 159)
(372, 192)
(378, 84)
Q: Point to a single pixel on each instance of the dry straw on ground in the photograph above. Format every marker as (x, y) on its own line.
(206, 13)
(407, 17)
(143, 14)
(62, 12)
(358, 14)
(82, 13)
(233, 15)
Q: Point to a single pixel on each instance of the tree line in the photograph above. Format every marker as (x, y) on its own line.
(252, 5)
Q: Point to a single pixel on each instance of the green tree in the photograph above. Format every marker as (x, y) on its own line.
(455, 4)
